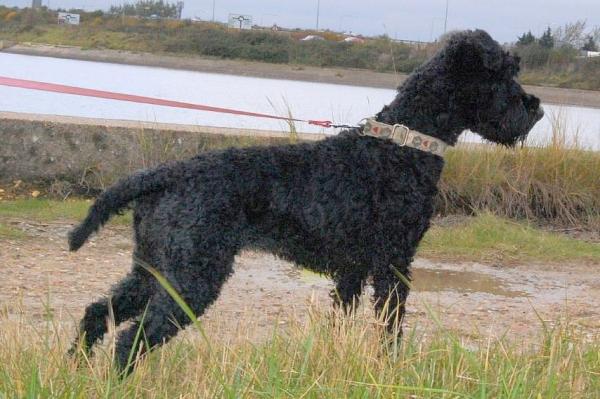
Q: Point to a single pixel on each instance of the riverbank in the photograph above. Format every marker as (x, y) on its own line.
(353, 77)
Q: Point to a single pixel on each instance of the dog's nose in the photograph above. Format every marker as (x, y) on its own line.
(539, 113)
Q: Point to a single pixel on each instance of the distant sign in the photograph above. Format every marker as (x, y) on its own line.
(67, 18)
(239, 21)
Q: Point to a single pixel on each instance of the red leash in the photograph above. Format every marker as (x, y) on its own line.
(80, 91)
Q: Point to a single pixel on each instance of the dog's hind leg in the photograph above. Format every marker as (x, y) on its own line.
(197, 276)
(128, 299)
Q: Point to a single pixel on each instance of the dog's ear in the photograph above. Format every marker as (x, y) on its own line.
(474, 50)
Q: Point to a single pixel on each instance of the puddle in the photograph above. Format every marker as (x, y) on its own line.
(429, 280)
(468, 282)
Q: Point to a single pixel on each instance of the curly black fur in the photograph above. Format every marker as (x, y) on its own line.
(349, 206)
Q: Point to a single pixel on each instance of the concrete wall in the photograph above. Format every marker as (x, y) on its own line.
(91, 154)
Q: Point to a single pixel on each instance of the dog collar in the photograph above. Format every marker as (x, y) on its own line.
(404, 136)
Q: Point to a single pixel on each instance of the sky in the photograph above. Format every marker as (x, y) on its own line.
(421, 20)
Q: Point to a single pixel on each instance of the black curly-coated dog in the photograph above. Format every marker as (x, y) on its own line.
(349, 206)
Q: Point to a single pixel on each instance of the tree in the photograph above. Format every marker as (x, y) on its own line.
(147, 8)
(526, 39)
(547, 40)
(595, 33)
(571, 34)
(590, 45)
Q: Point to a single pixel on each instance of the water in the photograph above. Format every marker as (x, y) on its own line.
(436, 280)
(339, 103)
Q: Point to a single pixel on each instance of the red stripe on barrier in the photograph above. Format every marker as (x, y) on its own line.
(80, 91)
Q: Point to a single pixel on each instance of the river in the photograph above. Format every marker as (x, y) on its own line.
(339, 103)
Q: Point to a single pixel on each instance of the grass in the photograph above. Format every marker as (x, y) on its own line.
(489, 238)
(483, 238)
(44, 210)
(586, 77)
(307, 360)
(555, 181)
(156, 147)
(8, 232)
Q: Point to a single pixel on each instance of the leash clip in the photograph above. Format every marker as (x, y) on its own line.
(326, 124)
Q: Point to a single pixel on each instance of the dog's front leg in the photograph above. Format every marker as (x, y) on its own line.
(390, 293)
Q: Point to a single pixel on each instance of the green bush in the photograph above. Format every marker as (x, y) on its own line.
(562, 57)
(533, 55)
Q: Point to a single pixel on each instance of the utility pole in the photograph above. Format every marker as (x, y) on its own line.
(446, 19)
(213, 17)
(318, 7)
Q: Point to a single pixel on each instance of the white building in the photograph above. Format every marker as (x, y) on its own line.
(590, 54)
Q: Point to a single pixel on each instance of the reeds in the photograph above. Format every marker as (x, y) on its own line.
(557, 181)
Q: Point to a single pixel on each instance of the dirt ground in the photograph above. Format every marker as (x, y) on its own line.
(40, 276)
(356, 77)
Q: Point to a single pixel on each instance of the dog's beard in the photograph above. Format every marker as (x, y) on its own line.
(513, 127)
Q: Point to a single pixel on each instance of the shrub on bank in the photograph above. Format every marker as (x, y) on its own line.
(541, 63)
(209, 39)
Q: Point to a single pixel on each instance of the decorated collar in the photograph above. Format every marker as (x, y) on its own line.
(404, 136)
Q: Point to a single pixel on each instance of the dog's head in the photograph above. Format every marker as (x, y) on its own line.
(485, 94)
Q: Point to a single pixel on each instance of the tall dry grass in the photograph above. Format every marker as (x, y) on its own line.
(556, 181)
(321, 358)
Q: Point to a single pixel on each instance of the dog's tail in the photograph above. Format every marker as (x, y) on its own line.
(117, 197)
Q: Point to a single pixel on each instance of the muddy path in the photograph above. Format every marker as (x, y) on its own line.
(40, 277)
